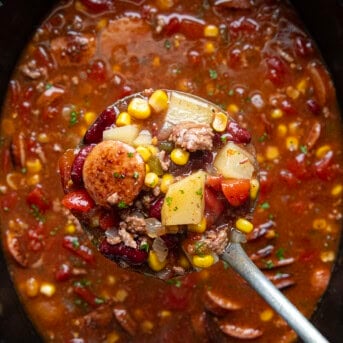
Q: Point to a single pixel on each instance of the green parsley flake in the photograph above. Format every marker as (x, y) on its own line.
(303, 149)
(231, 92)
(280, 254)
(144, 246)
(175, 282)
(175, 208)
(263, 137)
(213, 74)
(167, 44)
(119, 175)
(122, 204)
(265, 205)
(130, 154)
(37, 214)
(199, 192)
(135, 175)
(182, 191)
(169, 201)
(73, 118)
(269, 264)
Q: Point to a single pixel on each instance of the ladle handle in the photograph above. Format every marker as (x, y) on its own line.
(236, 257)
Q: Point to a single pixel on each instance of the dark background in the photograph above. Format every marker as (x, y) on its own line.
(20, 18)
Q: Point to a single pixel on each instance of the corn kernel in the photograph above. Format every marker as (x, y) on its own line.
(302, 86)
(121, 295)
(319, 224)
(43, 138)
(254, 188)
(183, 261)
(116, 68)
(147, 326)
(151, 180)
(282, 130)
(111, 280)
(31, 287)
(154, 263)
(276, 113)
(337, 190)
(179, 156)
(139, 108)
(112, 337)
(34, 166)
(293, 127)
(33, 180)
(199, 228)
(272, 152)
(48, 289)
(167, 180)
(209, 48)
(233, 109)
(266, 315)
(270, 234)
(322, 150)
(101, 24)
(70, 229)
(260, 158)
(203, 261)
(159, 101)
(244, 225)
(327, 256)
(164, 314)
(219, 122)
(211, 31)
(156, 62)
(164, 4)
(292, 143)
(292, 92)
(123, 119)
(144, 152)
(89, 117)
(154, 150)
(210, 88)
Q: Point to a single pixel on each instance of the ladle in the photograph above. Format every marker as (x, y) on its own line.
(234, 254)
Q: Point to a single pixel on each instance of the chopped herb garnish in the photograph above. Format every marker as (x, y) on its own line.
(48, 86)
(263, 137)
(135, 175)
(223, 139)
(82, 283)
(122, 204)
(269, 264)
(303, 149)
(73, 118)
(231, 92)
(265, 205)
(119, 175)
(37, 214)
(199, 192)
(130, 154)
(225, 265)
(144, 246)
(247, 99)
(213, 74)
(182, 191)
(23, 170)
(200, 248)
(169, 200)
(175, 282)
(280, 254)
(54, 231)
(99, 301)
(167, 44)
(175, 208)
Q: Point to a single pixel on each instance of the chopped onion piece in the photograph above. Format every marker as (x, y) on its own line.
(160, 248)
(154, 228)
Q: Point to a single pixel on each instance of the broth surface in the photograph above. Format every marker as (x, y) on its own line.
(257, 63)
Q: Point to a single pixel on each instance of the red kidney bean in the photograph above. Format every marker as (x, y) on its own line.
(313, 106)
(155, 208)
(63, 273)
(236, 133)
(121, 251)
(97, 71)
(79, 161)
(96, 6)
(104, 120)
(303, 47)
(276, 70)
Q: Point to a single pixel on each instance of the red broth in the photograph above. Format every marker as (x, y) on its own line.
(256, 62)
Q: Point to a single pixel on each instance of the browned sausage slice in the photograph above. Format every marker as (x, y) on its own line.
(113, 173)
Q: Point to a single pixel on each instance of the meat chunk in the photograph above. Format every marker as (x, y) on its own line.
(127, 238)
(113, 173)
(216, 241)
(134, 224)
(192, 136)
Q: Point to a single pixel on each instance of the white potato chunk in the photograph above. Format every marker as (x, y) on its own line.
(126, 134)
(234, 162)
(144, 138)
(184, 202)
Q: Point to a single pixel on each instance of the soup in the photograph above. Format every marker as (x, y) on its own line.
(253, 60)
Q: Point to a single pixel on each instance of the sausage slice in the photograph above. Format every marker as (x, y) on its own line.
(113, 173)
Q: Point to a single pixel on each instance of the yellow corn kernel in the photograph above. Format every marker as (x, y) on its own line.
(211, 31)
(233, 109)
(112, 337)
(293, 127)
(327, 256)
(272, 152)
(244, 225)
(139, 108)
(302, 86)
(270, 234)
(34, 166)
(156, 62)
(101, 24)
(276, 113)
(165, 4)
(322, 150)
(254, 188)
(123, 119)
(266, 315)
(154, 141)
(179, 156)
(282, 130)
(292, 92)
(89, 117)
(319, 224)
(167, 180)
(219, 122)
(210, 88)
(116, 68)
(336, 190)
(147, 326)
(33, 180)
(164, 314)
(70, 229)
(154, 150)
(43, 138)
(111, 280)
(260, 158)
(31, 287)
(204, 261)
(121, 295)
(151, 180)
(183, 261)
(292, 143)
(144, 152)
(154, 263)
(48, 289)
(209, 48)
(147, 169)
(199, 228)
(159, 101)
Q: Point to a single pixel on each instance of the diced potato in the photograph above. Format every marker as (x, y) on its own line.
(126, 134)
(234, 162)
(184, 202)
(144, 138)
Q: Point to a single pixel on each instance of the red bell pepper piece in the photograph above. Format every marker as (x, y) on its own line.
(213, 204)
(236, 191)
(37, 198)
(72, 244)
(78, 200)
(215, 182)
(87, 295)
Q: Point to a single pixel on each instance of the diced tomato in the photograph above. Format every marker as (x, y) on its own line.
(288, 177)
(176, 298)
(191, 29)
(213, 204)
(8, 201)
(97, 71)
(324, 168)
(63, 273)
(298, 166)
(236, 191)
(172, 27)
(215, 182)
(72, 244)
(38, 198)
(79, 201)
(87, 295)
